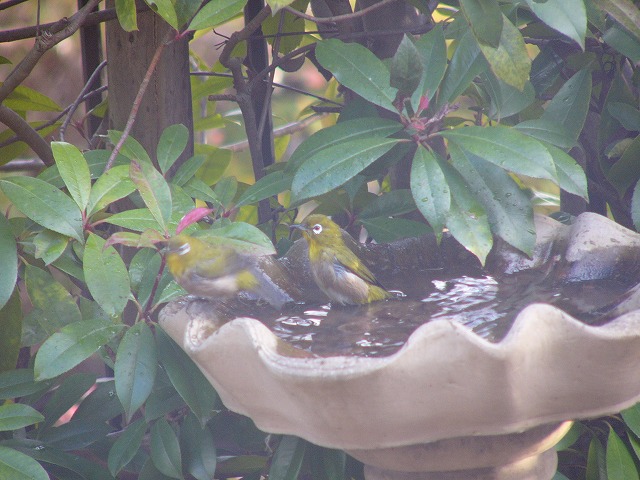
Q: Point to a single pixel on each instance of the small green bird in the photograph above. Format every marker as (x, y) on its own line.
(338, 271)
(209, 270)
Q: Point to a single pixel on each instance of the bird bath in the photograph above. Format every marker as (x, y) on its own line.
(449, 404)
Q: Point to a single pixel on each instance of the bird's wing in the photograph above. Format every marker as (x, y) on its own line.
(351, 262)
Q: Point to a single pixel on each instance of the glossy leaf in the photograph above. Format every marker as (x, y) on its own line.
(395, 202)
(547, 131)
(333, 166)
(199, 450)
(509, 61)
(508, 207)
(126, 446)
(626, 171)
(8, 260)
(19, 383)
(627, 115)
(385, 229)
(357, 68)
(620, 464)
(165, 449)
(137, 219)
(153, 189)
(619, 39)
(49, 245)
(485, 18)
(68, 394)
(96, 161)
(466, 63)
(18, 466)
(631, 417)
(287, 459)
(171, 144)
(506, 148)
(71, 345)
(187, 379)
(166, 9)
(188, 169)
(53, 306)
(131, 148)
(135, 367)
(44, 204)
(568, 17)
(101, 405)
(433, 50)
(571, 176)
(24, 99)
(348, 130)
(467, 219)
(406, 67)
(268, 186)
(216, 13)
(570, 105)
(74, 435)
(14, 416)
(430, 189)
(596, 461)
(624, 12)
(225, 190)
(112, 185)
(71, 466)
(11, 328)
(242, 236)
(505, 99)
(74, 171)
(106, 276)
(127, 15)
(197, 189)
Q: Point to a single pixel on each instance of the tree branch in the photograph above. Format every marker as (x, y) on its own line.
(339, 18)
(27, 134)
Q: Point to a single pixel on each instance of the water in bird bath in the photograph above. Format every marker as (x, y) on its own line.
(486, 304)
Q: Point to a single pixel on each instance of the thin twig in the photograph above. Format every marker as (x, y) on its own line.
(79, 99)
(269, 87)
(243, 35)
(136, 102)
(27, 134)
(22, 164)
(339, 18)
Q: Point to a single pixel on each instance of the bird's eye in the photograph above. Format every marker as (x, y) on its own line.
(317, 228)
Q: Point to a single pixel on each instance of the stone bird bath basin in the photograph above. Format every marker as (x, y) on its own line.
(449, 404)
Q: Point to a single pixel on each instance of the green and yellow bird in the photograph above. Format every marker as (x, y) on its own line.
(338, 271)
(209, 270)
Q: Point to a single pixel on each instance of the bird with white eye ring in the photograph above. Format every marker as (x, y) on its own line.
(335, 268)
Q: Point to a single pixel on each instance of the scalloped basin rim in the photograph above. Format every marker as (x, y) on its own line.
(444, 367)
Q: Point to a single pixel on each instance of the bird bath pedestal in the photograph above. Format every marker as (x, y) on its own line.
(449, 404)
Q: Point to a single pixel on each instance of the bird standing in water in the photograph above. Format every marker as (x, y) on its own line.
(338, 271)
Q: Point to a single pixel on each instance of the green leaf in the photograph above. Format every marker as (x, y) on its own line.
(395, 202)
(216, 13)
(53, 306)
(11, 328)
(509, 61)
(545, 68)
(433, 50)
(71, 345)
(406, 67)
(570, 105)
(49, 245)
(138, 219)
(216, 162)
(631, 417)
(187, 170)
(187, 379)
(197, 189)
(225, 190)
(126, 446)
(74, 171)
(366, 127)
(626, 171)
(568, 17)
(505, 99)
(127, 15)
(466, 63)
(290, 28)
(8, 260)
(96, 161)
(625, 12)
(172, 143)
(19, 383)
(571, 176)
(485, 18)
(244, 237)
(18, 466)
(74, 435)
(101, 405)
(44, 204)
(70, 466)
(268, 186)
(547, 131)
(135, 368)
(198, 447)
(112, 185)
(24, 99)
(68, 394)
(619, 39)
(333, 166)
(507, 148)
(165, 449)
(385, 229)
(627, 115)
(430, 189)
(150, 472)
(153, 189)
(14, 416)
(287, 459)
(620, 464)
(106, 276)
(166, 10)
(467, 220)
(357, 68)
(508, 207)
(131, 148)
